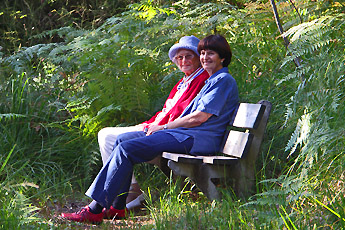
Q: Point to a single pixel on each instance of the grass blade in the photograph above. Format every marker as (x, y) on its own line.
(7, 158)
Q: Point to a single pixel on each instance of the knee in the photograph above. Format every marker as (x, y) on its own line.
(101, 135)
(105, 135)
(133, 151)
(120, 138)
(120, 150)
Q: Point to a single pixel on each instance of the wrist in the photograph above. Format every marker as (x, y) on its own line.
(165, 126)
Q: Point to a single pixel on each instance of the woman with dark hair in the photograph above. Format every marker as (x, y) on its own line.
(198, 131)
(218, 44)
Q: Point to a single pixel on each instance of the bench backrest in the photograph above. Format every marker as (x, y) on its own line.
(246, 129)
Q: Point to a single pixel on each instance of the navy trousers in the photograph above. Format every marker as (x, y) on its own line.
(130, 149)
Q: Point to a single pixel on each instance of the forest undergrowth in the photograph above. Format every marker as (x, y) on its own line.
(58, 92)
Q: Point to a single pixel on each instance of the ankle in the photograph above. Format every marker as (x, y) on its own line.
(95, 208)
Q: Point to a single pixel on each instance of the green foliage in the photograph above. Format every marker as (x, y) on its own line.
(36, 152)
(70, 81)
(182, 209)
(21, 21)
(317, 144)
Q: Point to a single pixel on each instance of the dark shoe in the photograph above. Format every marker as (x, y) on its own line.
(84, 215)
(117, 213)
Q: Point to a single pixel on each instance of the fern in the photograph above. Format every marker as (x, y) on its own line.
(147, 10)
(9, 116)
(300, 134)
(68, 33)
(311, 36)
(297, 74)
(318, 136)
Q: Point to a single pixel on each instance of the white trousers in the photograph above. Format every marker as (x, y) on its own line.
(106, 140)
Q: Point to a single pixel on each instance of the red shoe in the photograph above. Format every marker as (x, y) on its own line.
(84, 215)
(117, 213)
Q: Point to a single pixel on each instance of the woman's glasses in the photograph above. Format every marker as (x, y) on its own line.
(188, 57)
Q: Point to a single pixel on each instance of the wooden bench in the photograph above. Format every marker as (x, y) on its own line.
(241, 146)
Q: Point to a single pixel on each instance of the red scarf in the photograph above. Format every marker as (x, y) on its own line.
(192, 90)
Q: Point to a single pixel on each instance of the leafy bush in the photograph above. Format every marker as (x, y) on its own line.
(22, 20)
(56, 96)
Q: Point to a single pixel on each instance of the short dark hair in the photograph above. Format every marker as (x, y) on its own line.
(218, 44)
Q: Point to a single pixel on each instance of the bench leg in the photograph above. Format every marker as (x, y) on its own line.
(202, 180)
(244, 182)
(201, 175)
(241, 176)
(205, 184)
(182, 169)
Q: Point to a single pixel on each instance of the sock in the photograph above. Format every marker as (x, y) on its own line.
(95, 207)
(136, 202)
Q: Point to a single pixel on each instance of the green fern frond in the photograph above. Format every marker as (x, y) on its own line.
(300, 135)
(288, 113)
(108, 109)
(9, 116)
(80, 103)
(148, 10)
(309, 37)
(109, 22)
(297, 74)
(296, 32)
(67, 32)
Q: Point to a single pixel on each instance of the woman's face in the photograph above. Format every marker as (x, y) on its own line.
(187, 61)
(211, 61)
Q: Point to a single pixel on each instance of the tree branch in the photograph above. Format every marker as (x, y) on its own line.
(299, 15)
(281, 30)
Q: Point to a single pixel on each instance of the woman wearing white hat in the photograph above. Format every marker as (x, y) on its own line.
(185, 55)
(198, 131)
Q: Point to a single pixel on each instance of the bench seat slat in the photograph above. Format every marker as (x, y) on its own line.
(183, 158)
(236, 146)
(220, 160)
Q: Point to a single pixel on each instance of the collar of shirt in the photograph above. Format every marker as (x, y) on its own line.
(188, 79)
(214, 76)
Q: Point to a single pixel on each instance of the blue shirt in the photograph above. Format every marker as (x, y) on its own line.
(219, 96)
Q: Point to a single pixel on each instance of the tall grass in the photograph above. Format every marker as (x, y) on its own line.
(54, 98)
(36, 156)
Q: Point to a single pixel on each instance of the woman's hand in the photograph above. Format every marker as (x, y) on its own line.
(153, 128)
(191, 120)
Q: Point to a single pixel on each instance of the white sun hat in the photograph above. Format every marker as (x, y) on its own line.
(186, 42)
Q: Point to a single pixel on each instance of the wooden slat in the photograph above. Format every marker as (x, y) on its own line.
(248, 115)
(182, 158)
(237, 143)
(223, 160)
